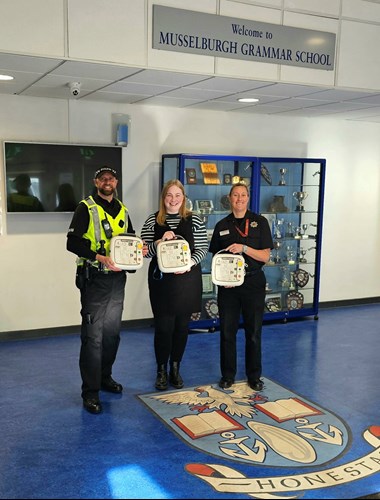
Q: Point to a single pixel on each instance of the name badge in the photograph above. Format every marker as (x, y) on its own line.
(223, 233)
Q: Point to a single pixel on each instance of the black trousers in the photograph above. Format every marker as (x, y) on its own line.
(170, 337)
(102, 301)
(247, 301)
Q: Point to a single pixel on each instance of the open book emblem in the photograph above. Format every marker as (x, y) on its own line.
(273, 427)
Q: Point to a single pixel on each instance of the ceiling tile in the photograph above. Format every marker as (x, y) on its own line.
(193, 93)
(125, 86)
(80, 70)
(168, 78)
(31, 64)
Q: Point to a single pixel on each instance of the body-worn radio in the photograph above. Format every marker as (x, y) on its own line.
(127, 251)
(174, 255)
(227, 269)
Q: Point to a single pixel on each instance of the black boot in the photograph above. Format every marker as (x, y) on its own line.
(174, 376)
(162, 378)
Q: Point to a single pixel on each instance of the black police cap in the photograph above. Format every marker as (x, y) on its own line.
(104, 170)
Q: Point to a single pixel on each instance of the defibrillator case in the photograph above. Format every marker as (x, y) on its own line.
(174, 255)
(227, 269)
(127, 251)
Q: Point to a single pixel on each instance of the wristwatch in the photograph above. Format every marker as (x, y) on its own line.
(244, 249)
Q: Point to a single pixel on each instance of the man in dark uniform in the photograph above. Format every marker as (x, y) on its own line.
(246, 233)
(102, 285)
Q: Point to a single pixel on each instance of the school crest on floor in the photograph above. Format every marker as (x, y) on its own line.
(274, 427)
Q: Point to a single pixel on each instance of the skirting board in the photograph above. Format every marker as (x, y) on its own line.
(149, 322)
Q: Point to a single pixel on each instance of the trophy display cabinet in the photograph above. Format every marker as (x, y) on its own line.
(289, 193)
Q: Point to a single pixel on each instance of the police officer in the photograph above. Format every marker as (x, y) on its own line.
(102, 285)
(242, 232)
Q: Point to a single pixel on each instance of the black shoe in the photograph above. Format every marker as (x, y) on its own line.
(162, 381)
(92, 405)
(256, 385)
(225, 383)
(109, 385)
(175, 378)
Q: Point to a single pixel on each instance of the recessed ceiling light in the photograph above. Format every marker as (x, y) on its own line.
(248, 99)
(6, 77)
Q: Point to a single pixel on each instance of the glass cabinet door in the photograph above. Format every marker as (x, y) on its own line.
(291, 200)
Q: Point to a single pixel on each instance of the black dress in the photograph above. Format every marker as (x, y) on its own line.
(175, 294)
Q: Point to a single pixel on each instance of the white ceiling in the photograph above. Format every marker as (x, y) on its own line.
(45, 77)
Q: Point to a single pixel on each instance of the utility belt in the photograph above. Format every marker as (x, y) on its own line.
(87, 271)
(98, 269)
(91, 268)
(87, 266)
(108, 272)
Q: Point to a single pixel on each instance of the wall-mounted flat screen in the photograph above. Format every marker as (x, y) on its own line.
(43, 177)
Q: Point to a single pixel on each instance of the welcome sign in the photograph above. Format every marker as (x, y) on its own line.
(200, 33)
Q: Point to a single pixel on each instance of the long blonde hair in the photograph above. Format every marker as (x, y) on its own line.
(183, 211)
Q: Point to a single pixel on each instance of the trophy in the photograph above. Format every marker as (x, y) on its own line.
(292, 285)
(270, 262)
(277, 204)
(284, 281)
(277, 245)
(303, 258)
(289, 230)
(282, 176)
(278, 228)
(304, 227)
(297, 233)
(290, 255)
(300, 196)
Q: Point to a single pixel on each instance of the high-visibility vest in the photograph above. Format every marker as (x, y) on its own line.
(96, 233)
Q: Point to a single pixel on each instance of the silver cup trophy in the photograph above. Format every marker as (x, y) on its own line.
(297, 233)
(300, 196)
(290, 255)
(303, 258)
(277, 245)
(282, 181)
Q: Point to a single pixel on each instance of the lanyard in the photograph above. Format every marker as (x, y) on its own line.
(245, 234)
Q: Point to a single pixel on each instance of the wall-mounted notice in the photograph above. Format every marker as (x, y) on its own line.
(220, 36)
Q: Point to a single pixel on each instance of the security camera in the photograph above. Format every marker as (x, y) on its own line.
(74, 88)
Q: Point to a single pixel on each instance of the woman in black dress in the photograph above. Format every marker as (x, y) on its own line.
(173, 296)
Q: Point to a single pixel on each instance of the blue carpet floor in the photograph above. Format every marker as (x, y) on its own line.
(52, 448)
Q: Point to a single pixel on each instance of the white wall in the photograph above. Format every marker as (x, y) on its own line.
(37, 275)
